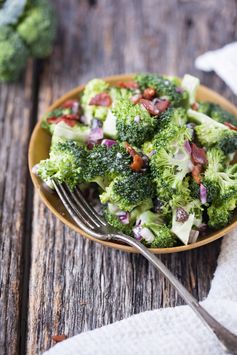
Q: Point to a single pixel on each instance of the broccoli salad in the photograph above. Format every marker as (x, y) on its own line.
(159, 162)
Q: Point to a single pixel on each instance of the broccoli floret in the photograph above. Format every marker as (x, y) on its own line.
(220, 214)
(221, 182)
(194, 189)
(173, 116)
(115, 222)
(93, 88)
(104, 164)
(58, 112)
(13, 54)
(128, 192)
(171, 162)
(38, 28)
(211, 133)
(216, 112)
(164, 88)
(66, 163)
(154, 231)
(134, 124)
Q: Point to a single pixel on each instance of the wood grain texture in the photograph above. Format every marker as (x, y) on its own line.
(77, 285)
(15, 114)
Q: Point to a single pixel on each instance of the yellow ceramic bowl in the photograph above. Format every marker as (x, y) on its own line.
(39, 149)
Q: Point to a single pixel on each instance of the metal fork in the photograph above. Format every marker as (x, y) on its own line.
(90, 222)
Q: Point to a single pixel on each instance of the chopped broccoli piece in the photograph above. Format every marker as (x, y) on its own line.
(13, 54)
(220, 182)
(79, 132)
(211, 133)
(128, 129)
(66, 163)
(115, 222)
(173, 116)
(154, 231)
(220, 214)
(104, 164)
(128, 192)
(164, 88)
(216, 112)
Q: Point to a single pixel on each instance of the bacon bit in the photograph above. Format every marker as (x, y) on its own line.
(150, 107)
(69, 103)
(230, 126)
(196, 173)
(198, 155)
(69, 121)
(132, 152)
(137, 163)
(149, 93)
(102, 99)
(128, 84)
(162, 105)
(136, 98)
(195, 106)
(58, 338)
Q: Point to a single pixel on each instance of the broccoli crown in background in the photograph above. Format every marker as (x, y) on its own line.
(26, 28)
(38, 29)
(13, 54)
(164, 88)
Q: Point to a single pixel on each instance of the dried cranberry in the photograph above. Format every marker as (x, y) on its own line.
(196, 173)
(128, 84)
(162, 105)
(198, 155)
(181, 215)
(195, 106)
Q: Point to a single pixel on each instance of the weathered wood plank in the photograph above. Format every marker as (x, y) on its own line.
(75, 284)
(15, 115)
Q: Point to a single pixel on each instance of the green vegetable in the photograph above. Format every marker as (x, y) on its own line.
(13, 54)
(173, 116)
(164, 87)
(190, 84)
(211, 133)
(130, 130)
(216, 112)
(128, 192)
(38, 29)
(220, 214)
(66, 163)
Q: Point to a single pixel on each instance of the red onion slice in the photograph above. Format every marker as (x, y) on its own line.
(123, 217)
(95, 135)
(108, 142)
(136, 233)
(137, 119)
(187, 147)
(203, 194)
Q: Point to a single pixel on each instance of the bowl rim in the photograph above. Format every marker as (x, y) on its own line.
(122, 247)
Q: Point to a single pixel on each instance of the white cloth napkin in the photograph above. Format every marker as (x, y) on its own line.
(172, 331)
(223, 61)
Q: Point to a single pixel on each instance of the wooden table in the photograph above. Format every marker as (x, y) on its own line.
(53, 281)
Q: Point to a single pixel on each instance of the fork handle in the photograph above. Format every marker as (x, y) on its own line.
(227, 339)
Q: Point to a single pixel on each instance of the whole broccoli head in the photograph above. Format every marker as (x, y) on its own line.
(38, 28)
(134, 124)
(211, 133)
(128, 192)
(66, 163)
(216, 112)
(164, 88)
(220, 214)
(13, 54)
